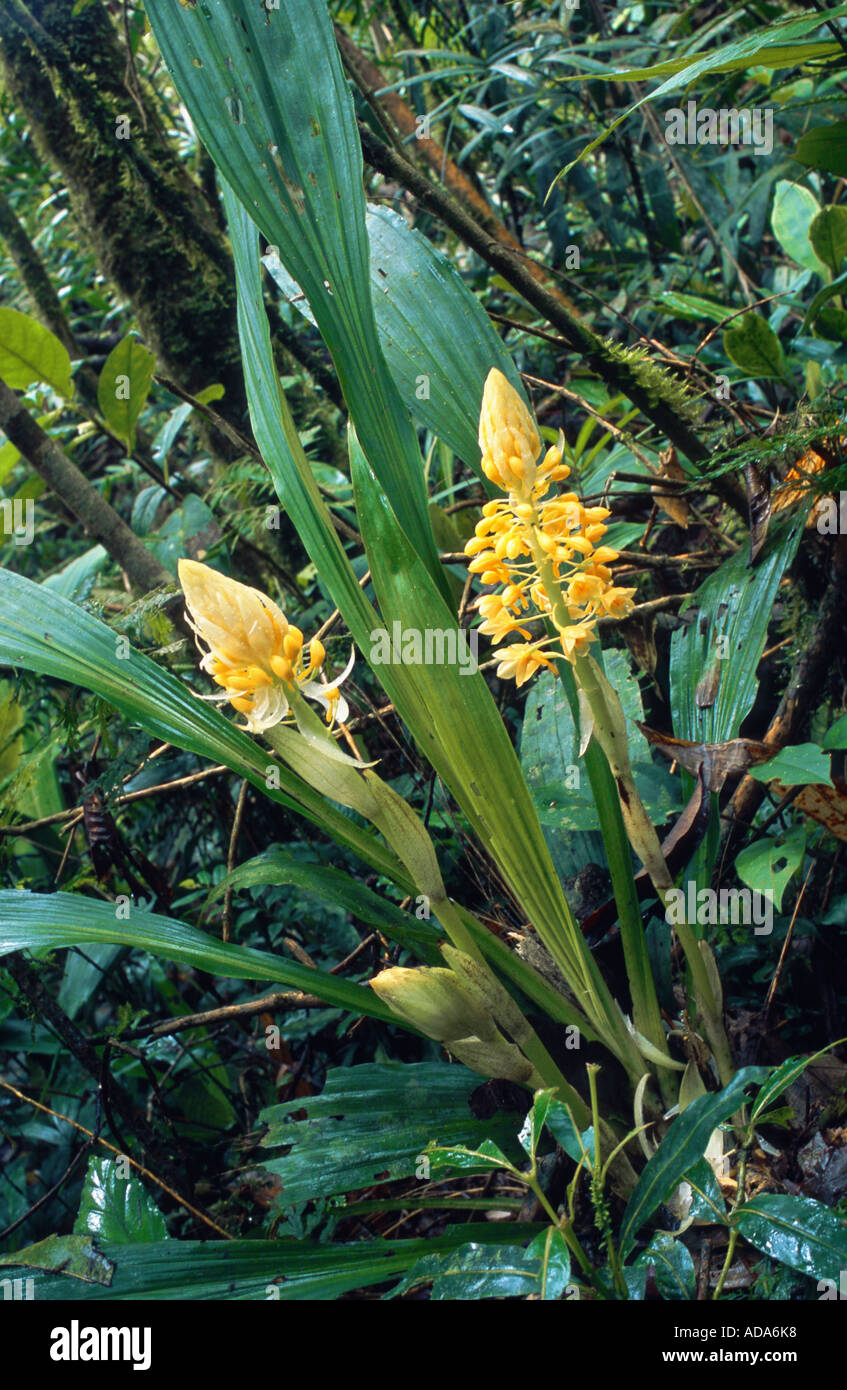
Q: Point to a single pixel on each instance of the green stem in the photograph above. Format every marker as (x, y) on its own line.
(733, 1234)
(597, 1176)
(645, 1004)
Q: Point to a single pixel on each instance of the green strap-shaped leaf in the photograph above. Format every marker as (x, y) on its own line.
(438, 341)
(714, 656)
(288, 1270)
(41, 631)
(38, 921)
(372, 1123)
(332, 885)
(267, 92)
(682, 1147)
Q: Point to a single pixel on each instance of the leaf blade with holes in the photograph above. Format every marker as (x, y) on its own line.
(768, 865)
(372, 1123)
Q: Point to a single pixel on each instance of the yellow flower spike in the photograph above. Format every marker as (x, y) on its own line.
(254, 653)
(317, 653)
(544, 551)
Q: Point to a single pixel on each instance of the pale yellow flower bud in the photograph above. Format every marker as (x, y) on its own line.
(508, 439)
(435, 1002)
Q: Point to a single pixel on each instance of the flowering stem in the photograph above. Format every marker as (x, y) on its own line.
(609, 729)
(645, 1005)
(645, 841)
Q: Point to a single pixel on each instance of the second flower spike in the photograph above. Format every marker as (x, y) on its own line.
(254, 653)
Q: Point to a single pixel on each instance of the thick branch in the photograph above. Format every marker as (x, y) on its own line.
(369, 80)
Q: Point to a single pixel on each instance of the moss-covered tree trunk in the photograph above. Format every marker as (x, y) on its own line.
(150, 226)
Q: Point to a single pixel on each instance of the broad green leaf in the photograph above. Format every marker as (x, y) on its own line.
(30, 353)
(123, 387)
(836, 737)
(796, 1231)
(794, 210)
(682, 1147)
(535, 1121)
(707, 1202)
(576, 1144)
(117, 1208)
(372, 1123)
(438, 341)
(769, 864)
(49, 921)
(828, 235)
(267, 92)
(801, 765)
(74, 580)
(241, 1270)
(487, 1157)
(332, 885)
(714, 656)
(188, 530)
(780, 1079)
(751, 344)
(40, 631)
(825, 147)
(476, 1271)
(551, 1249)
(672, 1266)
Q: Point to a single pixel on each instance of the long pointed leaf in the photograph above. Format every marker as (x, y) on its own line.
(35, 921)
(267, 92)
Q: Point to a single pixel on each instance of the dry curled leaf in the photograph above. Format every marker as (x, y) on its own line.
(717, 760)
(671, 470)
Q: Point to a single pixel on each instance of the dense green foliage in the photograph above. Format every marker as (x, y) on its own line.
(254, 274)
